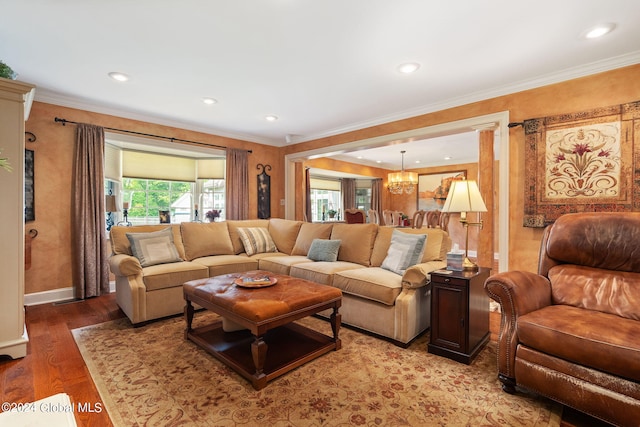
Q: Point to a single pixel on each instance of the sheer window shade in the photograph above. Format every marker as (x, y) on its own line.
(211, 168)
(136, 164)
(325, 184)
(112, 163)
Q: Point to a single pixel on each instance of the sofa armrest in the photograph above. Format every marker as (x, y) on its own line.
(518, 293)
(418, 275)
(125, 265)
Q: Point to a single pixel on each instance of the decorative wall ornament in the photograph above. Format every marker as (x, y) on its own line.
(264, 192)
(581, 162)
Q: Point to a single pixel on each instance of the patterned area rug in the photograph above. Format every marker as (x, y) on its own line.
(151, 376)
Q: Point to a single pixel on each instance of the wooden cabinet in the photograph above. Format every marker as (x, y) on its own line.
(459, 314)
(15, 101)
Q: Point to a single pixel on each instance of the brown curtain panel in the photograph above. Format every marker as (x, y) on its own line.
(237, 200)
(348, 187)
(376, 196)
(307, 195)
(90, 269)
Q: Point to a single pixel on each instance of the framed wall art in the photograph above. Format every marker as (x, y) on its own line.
(581, 162)
(434, 187)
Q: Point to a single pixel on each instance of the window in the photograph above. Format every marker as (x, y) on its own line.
(212, 196)
(363, 194)
(146, 197)
(325, 196)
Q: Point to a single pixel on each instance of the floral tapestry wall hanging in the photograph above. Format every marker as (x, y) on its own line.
(581, 162)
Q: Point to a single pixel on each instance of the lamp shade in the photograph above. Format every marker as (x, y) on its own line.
(464, 196)
(110, 203)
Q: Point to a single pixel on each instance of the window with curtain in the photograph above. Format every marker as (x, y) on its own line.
(363, 194)
(148, 182)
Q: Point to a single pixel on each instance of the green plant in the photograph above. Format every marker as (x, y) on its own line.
(7, 72)
(332, 212)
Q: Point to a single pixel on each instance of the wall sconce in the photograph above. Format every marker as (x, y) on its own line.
(464, 196)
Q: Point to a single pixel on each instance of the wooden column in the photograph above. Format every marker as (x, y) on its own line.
(486, 163)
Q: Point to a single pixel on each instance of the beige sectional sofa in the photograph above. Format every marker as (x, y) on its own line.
(396, 306)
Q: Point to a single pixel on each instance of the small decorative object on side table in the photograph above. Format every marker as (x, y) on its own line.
(459, 314)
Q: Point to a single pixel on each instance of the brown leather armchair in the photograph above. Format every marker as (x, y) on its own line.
(572, 331)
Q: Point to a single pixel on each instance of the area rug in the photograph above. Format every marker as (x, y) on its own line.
(152, 376)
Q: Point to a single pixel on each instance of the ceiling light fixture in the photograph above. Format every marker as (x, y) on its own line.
(409, 67)
(271, 118)
(119, 77)
(599, 31)
(209, 101)
(399, 182)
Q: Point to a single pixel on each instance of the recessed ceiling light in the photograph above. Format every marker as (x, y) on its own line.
(378, 161)
(359, 157)
(409, 67)
(209, 101)
(448, 157)
(271, 118)
(599, 31)
(120, 77)
(417, 161)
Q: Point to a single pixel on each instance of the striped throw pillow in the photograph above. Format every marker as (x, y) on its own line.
(256, 240)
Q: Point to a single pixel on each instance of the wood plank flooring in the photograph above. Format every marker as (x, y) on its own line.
(54, 365)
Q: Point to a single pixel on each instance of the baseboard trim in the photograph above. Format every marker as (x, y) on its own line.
(55, 295)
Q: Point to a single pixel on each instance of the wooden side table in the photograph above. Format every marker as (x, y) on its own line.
(459, 314)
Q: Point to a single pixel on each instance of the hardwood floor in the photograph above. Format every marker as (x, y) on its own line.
(54, 365)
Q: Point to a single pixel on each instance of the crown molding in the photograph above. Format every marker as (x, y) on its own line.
(548, 79)
(51, 97)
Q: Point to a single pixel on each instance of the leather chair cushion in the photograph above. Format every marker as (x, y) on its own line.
(602, 341)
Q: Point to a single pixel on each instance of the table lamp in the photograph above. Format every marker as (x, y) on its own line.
(464, 196)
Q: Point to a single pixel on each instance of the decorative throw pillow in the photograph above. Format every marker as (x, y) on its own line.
(256, 240)
(405, 250)
(153, 248)
(324, 250)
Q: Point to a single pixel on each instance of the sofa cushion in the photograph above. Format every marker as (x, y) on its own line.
(284, 233)
(357, 242)
(602, 341)
(405, 250)
(205, 239)
(320, 272)
(436, 247)
(120, 243)
(233, 226)
(154, 248)
(256, 240)
(281, 264)
(225, 264)
(308, 232)
(373, 283)
(324, 250)
(613, 292)
(164, 276)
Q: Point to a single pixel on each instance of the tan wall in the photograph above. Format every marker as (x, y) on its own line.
(51, 250)
(604, 89)
(51, 257)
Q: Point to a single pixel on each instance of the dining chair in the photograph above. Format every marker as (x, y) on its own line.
(444, 221)
(418, 219)
(396, 216)
(433, 219)
(387, 217)
(374, 216)
(354, 216)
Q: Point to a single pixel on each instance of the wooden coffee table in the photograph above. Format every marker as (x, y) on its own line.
(268, 314)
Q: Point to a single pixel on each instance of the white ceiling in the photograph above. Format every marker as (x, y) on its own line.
(323, 67)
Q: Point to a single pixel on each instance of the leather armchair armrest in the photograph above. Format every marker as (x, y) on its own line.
(518, 293)
(418, 276)
(125, 265)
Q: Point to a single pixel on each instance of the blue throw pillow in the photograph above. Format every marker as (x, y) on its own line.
(324, 250)
(405, 250)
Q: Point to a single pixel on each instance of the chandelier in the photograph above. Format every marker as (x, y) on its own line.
(399, 182)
